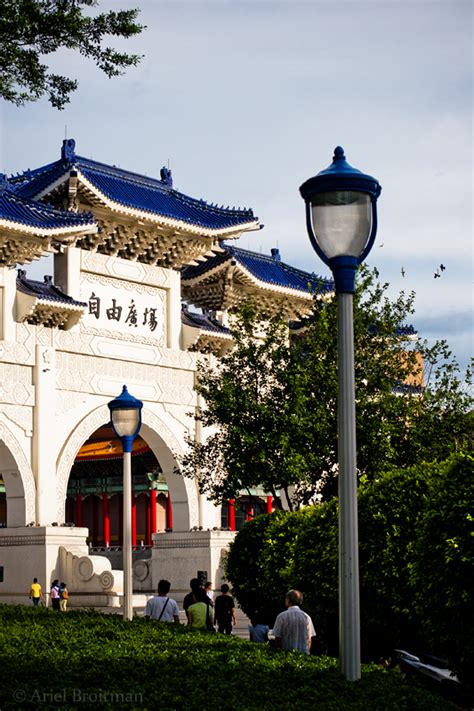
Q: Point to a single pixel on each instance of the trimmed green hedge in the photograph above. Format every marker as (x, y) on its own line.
(83, 660)
(416, 536)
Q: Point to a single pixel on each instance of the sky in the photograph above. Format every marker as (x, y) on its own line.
(247, 99)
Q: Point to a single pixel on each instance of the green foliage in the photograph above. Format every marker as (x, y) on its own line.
(93, 660)
(272, 401)
(442, 573)
(416, 555)
(31, 29)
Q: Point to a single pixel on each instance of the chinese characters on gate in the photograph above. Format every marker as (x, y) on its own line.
(131, 315)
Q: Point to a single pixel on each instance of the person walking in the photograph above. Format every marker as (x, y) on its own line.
(199, 613)
(54, 594)
(161, 607)
(63, 597)
(209, 592)
(293, 628)
(190, 599)
(224, 611)
(36, 593)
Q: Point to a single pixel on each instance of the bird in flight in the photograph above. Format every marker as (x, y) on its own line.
(439, 271)
(442, 267)
(402, 272)
(436, 274)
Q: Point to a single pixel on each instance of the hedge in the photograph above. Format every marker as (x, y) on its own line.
(416, 563)
(89, 660)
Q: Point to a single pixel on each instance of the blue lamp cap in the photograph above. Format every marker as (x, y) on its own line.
(125, 401)
(340, 176)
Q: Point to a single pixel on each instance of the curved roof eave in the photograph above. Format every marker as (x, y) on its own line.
(260, 283)
(200, 231)
(48, 231)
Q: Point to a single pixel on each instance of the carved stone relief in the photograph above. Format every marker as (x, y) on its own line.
(23, 349)
(15, 384)
(21, 416)
(124, 269)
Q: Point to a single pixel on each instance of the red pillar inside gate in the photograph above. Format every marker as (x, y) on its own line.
(269, 504)
(232, 514)
(106, 519)
(134, 520)
(249, 515)
(169, 513)
(120, 519)
(78, 513)
(95, 520)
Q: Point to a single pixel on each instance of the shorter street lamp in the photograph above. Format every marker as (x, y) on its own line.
(341, 217)
(126, 418)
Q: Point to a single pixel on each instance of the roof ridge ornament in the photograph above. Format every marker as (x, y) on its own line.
(166, 177)
(68, 150)
(3, 183)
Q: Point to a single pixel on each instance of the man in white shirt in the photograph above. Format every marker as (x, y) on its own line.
(161, 607)
(293, 629)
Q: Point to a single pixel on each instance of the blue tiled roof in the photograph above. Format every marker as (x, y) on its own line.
(134, 191)
(18, 209)
(268, 269)
(44, 290)
(204, 322)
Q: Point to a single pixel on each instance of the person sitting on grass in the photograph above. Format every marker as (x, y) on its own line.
(258, 631)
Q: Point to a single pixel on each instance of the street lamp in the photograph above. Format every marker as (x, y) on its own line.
(126, 418)
(341, 217)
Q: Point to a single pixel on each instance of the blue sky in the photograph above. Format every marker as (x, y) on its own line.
(248, 99)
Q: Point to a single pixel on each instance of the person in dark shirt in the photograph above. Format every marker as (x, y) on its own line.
(224, 611)
(190, 598)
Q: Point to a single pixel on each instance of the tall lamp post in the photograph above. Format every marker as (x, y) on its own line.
(341, 217)
(126, 417)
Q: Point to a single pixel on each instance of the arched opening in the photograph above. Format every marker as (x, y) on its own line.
(95, 492)
(17, 487)
(181, 494)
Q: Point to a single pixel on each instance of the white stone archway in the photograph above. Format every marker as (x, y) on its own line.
(19, 481)
(164, 445)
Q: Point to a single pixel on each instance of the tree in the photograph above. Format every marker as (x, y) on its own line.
(30, 29)
(272, 401)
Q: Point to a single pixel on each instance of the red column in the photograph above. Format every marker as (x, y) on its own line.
(120, 526)
(249, 516)
(134, 520)
(169, 513)
(79, 513)
(95, 520)
(232, 514)
(106, 519)
(269, 504)
(152, 516)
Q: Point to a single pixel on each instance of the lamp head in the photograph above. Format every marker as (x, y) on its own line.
(341, 214)
(125, 414)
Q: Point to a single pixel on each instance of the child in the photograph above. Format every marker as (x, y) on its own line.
(257, 630)
(63, 597)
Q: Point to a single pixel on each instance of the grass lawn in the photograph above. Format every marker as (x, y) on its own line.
(82, 660)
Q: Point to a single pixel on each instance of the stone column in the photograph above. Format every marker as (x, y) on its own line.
(44, 455)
